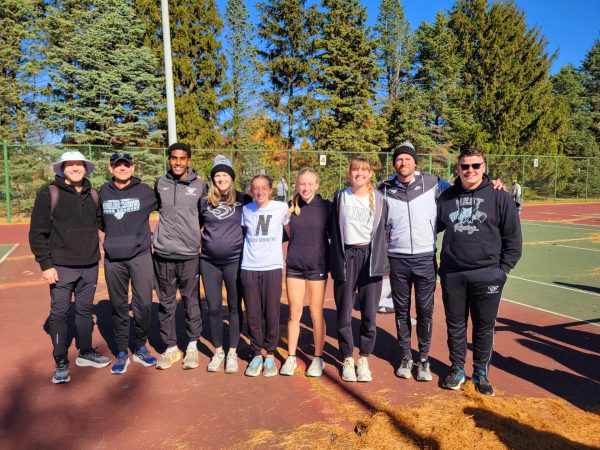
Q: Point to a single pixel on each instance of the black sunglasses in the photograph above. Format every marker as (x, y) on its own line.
(475, 166)
(117, 156)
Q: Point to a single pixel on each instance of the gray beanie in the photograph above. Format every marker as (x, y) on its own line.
(222, 164)
(405, 147)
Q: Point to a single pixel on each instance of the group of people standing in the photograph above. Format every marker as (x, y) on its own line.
(227, 237)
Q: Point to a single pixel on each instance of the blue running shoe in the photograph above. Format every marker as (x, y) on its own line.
(144, 357)
(481, 383)
(62, 373)
(255, 367)
(269, 369)
(455, 379)
(121, 364)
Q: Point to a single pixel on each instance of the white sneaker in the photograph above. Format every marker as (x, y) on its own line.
(348, 372)
(168, 358)
(216, 362)
(191, 360)
(316, 367)
(289, 366)
(362, 371)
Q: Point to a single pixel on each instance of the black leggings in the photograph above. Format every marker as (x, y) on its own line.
(212, 280)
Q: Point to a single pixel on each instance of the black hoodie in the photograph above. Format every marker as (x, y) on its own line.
(70, 237)
(125, 213)
(482, 228)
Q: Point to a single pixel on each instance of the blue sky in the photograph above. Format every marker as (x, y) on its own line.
(570, 26)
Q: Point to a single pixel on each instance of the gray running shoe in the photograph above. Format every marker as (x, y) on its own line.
(423, 370)
(348, 372)
(363, 373)
(231, 363)
(289, 366)
(316, 367)
(216, 362)
(91, 358)
(62, 373)
(405, 369)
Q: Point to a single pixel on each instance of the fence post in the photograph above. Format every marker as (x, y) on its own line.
(6, 181)
(339, 172)
(449, 166)
(430, 163)
(587, 177)
(555, 175)
(523, 171)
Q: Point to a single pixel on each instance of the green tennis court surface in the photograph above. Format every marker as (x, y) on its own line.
(5, 250)
(559, 270)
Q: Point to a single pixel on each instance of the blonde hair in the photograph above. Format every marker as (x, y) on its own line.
(294, 207)
(214, 196)
(362, 163)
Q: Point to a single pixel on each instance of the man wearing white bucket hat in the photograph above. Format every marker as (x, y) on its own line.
(63, 236)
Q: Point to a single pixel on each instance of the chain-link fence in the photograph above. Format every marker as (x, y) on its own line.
(27, 169)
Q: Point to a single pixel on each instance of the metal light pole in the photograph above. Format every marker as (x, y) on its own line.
(172, 127)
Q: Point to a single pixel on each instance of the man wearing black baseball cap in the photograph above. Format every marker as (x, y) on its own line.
(126, 207)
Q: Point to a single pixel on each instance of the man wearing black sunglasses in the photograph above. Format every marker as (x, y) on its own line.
(482, 243)
(126, 207)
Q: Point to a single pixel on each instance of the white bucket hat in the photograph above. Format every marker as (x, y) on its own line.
(72, 156)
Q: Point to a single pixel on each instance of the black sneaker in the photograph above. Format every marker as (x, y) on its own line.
(455, 379)
(62, 373)
(481, 383)
(91, 358)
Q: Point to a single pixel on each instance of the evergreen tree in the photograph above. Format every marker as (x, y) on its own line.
(199, 65)
(17, 67)
(242, 58)
(348, 74)
(506, 92)
(288, 29)
(580, 140)
(591, 82)
(102, 85)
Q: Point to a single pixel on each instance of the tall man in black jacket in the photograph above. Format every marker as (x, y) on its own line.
(64, 240)
(126, 207)
(482, 243)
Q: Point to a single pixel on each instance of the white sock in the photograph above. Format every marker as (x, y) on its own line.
(193, 345)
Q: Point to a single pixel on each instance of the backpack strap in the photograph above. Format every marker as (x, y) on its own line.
(54, 198)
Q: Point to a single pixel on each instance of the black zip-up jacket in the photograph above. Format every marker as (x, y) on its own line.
(125, 213)
(308, 247)
(379, 264)
(70, 237)
(482, 228)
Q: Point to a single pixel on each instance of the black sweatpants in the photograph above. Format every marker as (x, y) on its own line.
(80, 281)
(184, 275)
(213, 276)
(405, 273)
(138, 270)
(262, 297)
(369, 291)
(476, 292)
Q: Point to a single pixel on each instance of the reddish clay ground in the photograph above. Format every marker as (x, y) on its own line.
(580, 213)
(536, 354)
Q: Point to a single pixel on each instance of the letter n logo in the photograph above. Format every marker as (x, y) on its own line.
(262, 227)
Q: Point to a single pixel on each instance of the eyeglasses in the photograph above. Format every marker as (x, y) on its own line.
(117, 156)
(475, 166)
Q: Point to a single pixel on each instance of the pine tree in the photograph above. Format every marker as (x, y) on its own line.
(242, 60)
(506, 92)
(18, 19)
(102, 87)
(199, 65)
(287, 28)
(590, 70)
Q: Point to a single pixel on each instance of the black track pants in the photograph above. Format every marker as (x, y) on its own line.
(475, 292)
(405, 273)
(262, 297)
(170, 276)
(369, 291)
(81, 282)
(139, 271)
(213, 277)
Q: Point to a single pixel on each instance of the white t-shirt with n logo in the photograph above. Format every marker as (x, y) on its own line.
(264, 233)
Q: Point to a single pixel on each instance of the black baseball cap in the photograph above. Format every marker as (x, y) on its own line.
(116, 157)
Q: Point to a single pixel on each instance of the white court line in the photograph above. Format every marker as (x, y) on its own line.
(592, 227)
(552, 241)
(556, 286)
(552, 312)
(8, 253)
(578, 248)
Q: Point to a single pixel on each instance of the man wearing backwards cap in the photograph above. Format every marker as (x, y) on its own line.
(126, 207)
(176, 244)
(412, 211)
(65, 243)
